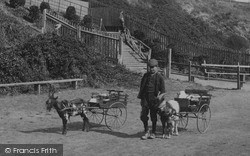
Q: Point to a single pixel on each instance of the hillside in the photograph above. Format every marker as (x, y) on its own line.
(13, 29)
(27, 55)
(228, 18)
(202, 22)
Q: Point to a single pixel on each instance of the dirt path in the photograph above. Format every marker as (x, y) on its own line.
(23, 119)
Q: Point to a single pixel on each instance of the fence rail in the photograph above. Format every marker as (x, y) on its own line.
(239, 75)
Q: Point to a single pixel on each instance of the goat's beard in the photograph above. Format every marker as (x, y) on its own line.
(48, 109)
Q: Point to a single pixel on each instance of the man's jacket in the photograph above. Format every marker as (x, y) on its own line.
(159, 85)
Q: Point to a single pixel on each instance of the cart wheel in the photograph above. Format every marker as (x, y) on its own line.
(116, 116)
(95, 115)
(183, 120)
(203, 118)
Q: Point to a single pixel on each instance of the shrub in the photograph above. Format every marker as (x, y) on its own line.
(87, 21)
(71, 14)
(34, 13)
(237, 42)
(139, 35)
(17, 3)
(44, 5)
(51, 56)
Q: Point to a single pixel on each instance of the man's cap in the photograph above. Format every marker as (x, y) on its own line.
(152, 62)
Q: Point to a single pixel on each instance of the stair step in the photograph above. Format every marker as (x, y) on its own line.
(132, 63)
(132, 60)
(136, 67)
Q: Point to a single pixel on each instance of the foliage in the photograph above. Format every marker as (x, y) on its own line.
(17, 3)
(71, 14)
(237, 42)
(139, 35)
(14, 31)
(53, 57)
(87, 21)
(44, 5)
(34, 13)
(172, 20)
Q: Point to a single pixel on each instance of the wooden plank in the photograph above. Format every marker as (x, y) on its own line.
(39, 82)
(223, 65)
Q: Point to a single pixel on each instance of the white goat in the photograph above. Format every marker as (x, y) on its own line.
(168, 111)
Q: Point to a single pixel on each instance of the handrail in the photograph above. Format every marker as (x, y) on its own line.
(74, 26)
(137, 47)
(141, 44)
(39, 82)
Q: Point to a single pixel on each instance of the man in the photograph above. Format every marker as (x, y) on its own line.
(152, 84)
(121, 17)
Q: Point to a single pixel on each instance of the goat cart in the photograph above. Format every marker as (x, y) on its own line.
(111, 107)
(195, 105)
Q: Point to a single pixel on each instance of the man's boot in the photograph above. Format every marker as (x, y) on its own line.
(145, 124)
(147, 133)
(152, 135)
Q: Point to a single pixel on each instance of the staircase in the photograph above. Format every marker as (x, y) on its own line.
(132, 61)
(134, 54)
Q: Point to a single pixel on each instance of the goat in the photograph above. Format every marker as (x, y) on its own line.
(168, 110)
(66, 109)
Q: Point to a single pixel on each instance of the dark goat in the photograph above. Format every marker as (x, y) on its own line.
(66, 109)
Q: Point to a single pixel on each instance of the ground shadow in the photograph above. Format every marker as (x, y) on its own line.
(73, 126)
(77, 126)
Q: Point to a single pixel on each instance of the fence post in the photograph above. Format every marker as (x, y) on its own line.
(189, 71)
(79, 32)
(205, 71)
(120, 50)
(44, 21)
(238, 76)
(149, 57)
(167, 68)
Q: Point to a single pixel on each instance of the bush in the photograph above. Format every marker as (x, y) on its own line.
(87, 21)
(71, 14)
(237, 42)
(139, 35)
(50, 56)
(44, 5)
(34, 13)
(17, 3)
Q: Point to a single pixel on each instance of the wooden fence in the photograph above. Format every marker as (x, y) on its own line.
(104, 43)
(239, 72)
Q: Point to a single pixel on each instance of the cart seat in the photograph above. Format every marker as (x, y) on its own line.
(93, 100)
(200, 92)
